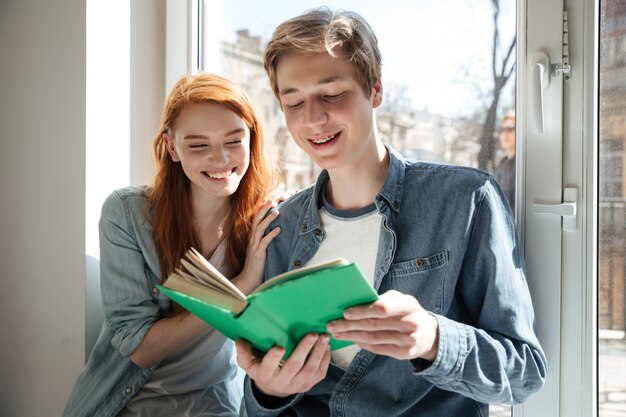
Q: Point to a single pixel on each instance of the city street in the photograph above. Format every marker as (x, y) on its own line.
(612, 378)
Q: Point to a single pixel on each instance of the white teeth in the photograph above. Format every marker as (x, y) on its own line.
(219, 175)
(324, 140)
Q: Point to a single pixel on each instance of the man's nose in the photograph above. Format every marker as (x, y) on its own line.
(315, 113)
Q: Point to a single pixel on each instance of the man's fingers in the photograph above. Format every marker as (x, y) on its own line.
(315, 366)
(245, 357)
(306, 366)
(299, 355)
(317, 359)
(390, 304)
(272, 361)
(379, 337)
(396, 324)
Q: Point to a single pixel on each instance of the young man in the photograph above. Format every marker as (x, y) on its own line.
(453, 329)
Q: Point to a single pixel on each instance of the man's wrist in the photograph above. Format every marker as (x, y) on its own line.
(267, 401)
(420, 364)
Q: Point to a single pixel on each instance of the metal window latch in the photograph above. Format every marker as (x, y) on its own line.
(565, 68)
(567, 209)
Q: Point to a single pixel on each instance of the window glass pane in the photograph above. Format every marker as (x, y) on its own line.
(612, 212)
(448, 79)
(445, 92)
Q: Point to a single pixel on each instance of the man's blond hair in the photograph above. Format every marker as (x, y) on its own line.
(509, 115)
(324, 30)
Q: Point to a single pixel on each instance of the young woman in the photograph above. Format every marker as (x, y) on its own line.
(153, 358)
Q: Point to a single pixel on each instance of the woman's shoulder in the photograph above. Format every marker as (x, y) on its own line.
(126, 200)
(132, 191)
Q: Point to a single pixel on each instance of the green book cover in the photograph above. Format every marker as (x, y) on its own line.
(283, 310)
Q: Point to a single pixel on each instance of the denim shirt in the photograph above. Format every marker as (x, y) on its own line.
(448, 238)
(129, 273)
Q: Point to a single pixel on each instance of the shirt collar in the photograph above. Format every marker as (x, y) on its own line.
(390, 193)
(394, 183)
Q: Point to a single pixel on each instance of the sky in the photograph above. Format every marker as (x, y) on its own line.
(439, 49)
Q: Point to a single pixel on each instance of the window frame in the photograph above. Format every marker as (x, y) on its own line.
(575, 339)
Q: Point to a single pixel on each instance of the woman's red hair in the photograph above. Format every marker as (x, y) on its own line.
(169, 202)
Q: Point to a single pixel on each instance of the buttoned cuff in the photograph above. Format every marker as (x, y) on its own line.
(451, 353)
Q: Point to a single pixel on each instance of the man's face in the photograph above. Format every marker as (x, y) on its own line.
(507, 136)
(326, 110)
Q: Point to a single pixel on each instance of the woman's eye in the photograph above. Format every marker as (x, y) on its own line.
(235, 142)
(198, 146)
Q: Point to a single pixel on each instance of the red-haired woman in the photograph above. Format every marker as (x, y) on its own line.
(209, 192)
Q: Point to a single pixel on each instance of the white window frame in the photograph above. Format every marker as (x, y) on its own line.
(567, 316)
(571, 388)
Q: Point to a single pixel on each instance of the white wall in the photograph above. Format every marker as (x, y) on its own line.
(147, 83)
(42, 185)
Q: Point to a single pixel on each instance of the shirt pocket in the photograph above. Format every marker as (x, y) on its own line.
(423, 278)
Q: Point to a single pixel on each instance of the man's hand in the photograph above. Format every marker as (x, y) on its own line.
(306, 366)
(396, 325)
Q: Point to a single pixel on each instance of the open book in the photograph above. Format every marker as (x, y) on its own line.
(280, 311)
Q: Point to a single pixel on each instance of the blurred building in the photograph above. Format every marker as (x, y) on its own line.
(418, 134)
(242, 62)
(612, 233)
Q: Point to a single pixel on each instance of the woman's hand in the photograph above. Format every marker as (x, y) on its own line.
(281, 196)
(252, 273)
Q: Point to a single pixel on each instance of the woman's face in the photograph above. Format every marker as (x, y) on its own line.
(212, 143)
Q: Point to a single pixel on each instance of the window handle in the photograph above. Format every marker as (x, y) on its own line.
(567, 209)
(539, 81)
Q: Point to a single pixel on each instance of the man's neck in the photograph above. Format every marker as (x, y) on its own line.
(355, 187)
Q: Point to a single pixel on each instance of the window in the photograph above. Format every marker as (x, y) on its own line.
(612, 212)
(444, 100)
(440, 102)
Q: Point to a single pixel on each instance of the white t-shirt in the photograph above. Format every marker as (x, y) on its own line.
(353, 235)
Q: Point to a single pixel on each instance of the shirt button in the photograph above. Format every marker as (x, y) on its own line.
(318, 232)
(420, 262)
(155, 291)
(129, 390)
(297, 264)
(304, 228)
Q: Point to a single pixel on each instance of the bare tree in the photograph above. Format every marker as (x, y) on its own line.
(396, 102)
(502, 68)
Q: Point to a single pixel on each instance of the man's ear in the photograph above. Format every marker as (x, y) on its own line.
(377, 94)
(171, 149)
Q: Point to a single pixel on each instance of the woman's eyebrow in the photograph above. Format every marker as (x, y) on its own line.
(229, 133)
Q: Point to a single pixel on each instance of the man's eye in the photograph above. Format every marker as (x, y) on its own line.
(334, 97)
(294, 106)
